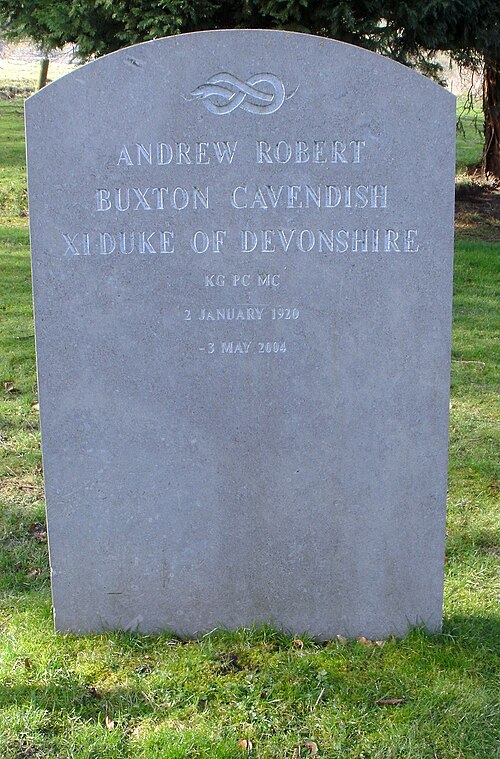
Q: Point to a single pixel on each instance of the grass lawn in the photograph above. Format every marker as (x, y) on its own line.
(470, 133)
(254, 692)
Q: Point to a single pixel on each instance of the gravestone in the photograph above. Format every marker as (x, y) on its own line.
(242, 271)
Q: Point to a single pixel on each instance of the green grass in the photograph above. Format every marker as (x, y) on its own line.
(470, 133)
(148, 697)
(13, 191)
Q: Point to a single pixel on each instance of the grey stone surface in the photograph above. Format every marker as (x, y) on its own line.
(242, 269)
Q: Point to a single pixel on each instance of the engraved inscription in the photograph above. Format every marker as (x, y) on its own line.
(240, 313)
(124, 243)
(259, 241)
(151, 198)
(235, 347)
(330, 241)
(180, 153)
(351, 208)
(309, 151)
(307, 196)
(242, 347)
(262, 279)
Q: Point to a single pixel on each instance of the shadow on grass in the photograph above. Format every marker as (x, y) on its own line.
(471, 631)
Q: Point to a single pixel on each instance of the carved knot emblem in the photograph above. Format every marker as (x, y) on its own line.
(223, 93)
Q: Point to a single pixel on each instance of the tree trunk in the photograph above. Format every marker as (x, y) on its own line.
(44, 70)
(491, 108)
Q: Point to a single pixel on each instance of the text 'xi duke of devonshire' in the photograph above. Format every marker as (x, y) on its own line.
(322, 189)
